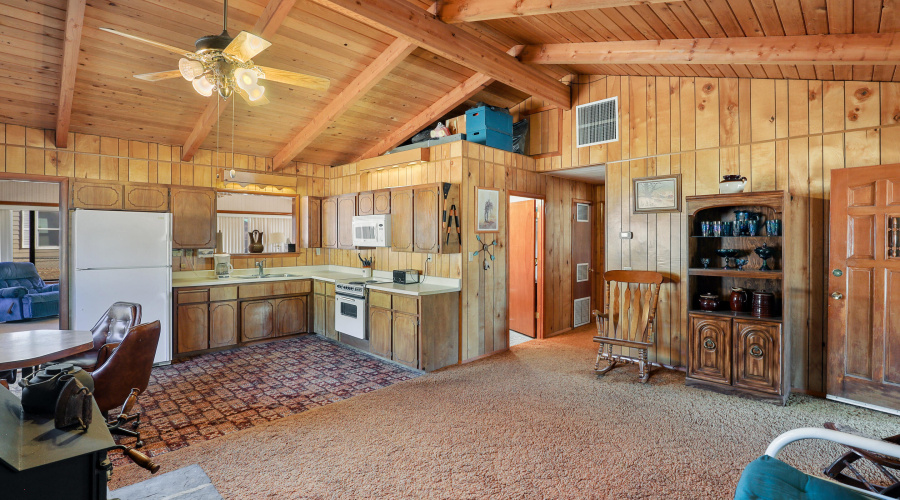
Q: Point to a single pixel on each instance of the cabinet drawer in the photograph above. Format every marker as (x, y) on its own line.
(223, 293)
(380, 299)
(193, 296)
(274, 288)
(329, 289)
(319, 287)
(409, 305)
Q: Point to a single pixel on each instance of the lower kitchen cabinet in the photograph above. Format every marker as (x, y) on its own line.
(406, 339)
(257, 319)
(319, 314)
(193, 327)
(380, 326)
(330, 332)
(290, 315)
(223, 324)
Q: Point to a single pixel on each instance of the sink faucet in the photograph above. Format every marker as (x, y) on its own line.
(261, 266)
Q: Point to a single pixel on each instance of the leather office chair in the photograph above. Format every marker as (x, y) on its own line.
(123, 372)
(110, 329)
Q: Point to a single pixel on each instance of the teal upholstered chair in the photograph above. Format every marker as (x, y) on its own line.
(769, 478)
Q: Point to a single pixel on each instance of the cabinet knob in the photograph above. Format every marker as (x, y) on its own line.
(709, 344)
(756, 351)
(837, 295)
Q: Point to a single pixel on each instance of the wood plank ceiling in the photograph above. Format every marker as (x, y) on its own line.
(316, 40)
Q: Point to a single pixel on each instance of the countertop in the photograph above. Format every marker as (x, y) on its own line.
(432, 285)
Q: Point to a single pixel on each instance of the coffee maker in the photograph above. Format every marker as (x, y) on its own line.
(223, 265)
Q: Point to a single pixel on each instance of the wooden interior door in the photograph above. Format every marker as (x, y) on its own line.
(864, 286)
(522, 261)
(581, 262)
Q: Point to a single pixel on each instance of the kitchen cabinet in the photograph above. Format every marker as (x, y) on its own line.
(330, 222)
(205, 318)
(330, 332)
(193, 218)
(290, 315)
(406, 339)
(402, 220)
(346, 210)
(223, 324)
(193, 327)
(323, 310)
(257, 320)
(310, 224)
(146, 197)
(319, 314)
(382, 201)
(380, 331)
(426, 219)
(365, 203)
(98, 195)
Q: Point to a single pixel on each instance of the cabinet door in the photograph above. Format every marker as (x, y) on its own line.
(382, 201)
(402, 220)
(426, 237)
(406, 339)
(310, 222)
(193, 327)
(319, 314)
(193, 218)
(257, 319)
(757, 356)
(710, 349)
(290, 315)
(346, 211)
(146, 197)
(330, 332)
(380, 331)
(330, 222)
(366, 203)
(97, 195)
(223, 328)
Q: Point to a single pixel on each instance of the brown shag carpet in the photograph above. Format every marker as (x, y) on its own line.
(530, 423)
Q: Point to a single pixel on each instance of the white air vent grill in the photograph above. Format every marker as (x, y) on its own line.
(581, 272)
(582, 311)
(598, 122)
(582, 212)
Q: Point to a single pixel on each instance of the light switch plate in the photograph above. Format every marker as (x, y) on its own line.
(471, 256)
(626, 235)
(318, 251)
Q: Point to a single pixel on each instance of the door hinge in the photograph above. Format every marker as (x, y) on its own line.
(537, 315)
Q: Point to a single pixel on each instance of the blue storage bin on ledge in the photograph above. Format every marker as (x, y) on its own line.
(490, 138)
(484, 118)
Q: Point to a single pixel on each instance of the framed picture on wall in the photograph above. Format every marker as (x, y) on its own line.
(487, 210)
(657, 194)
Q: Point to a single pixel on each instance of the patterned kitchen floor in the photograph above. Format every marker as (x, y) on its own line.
(211, 395)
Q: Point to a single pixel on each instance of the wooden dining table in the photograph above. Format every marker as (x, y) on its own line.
(33, 347)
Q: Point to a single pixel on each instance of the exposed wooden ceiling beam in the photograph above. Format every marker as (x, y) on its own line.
(809, 49)
(416, 25)
(71, 44)
(462, 93)
(461, 11)
(374, 72)
(266, 26)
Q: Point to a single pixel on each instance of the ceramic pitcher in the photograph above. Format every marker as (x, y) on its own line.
(256, 241)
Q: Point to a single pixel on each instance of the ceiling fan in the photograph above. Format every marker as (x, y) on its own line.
(224, 64)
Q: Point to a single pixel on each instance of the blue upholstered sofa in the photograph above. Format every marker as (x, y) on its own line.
(23, 294)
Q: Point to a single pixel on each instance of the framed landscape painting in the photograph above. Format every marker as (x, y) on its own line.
(487, 210)
(657, 194)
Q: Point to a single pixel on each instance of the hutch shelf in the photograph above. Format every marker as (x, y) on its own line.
(736, 352)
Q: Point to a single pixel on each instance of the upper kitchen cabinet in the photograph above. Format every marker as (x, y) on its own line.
(346, 210)
(330, 222)
(146, 197)
(421, 217)
(97, 195)
(402, 220)
(381, 200)
(365, 204)
(193, 218)
(310, 224)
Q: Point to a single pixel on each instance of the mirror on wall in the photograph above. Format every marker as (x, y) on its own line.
(240, 214)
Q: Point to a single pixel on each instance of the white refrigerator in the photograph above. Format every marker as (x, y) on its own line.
(122, 256)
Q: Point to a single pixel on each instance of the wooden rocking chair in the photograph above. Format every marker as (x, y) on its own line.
(631, 299)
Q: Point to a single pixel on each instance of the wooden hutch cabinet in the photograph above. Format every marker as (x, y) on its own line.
(737, 352)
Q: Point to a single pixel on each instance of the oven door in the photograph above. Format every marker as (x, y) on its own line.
(350, 316)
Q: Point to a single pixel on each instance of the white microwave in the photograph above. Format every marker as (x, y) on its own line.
(372, 231)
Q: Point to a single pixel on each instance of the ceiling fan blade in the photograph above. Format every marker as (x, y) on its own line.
(259, 102)
(161, 75)
(298, 79)
(163, 46)
(245, 46)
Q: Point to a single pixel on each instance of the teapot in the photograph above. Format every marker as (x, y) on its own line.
(732, 184)
(256, 244)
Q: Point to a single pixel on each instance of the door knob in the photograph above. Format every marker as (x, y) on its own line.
(837, 295)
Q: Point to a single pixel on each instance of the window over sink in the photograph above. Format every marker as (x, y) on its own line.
(239, 214)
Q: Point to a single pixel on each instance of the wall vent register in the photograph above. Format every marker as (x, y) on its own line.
(598, 122)
(582, 311)
(582, 212)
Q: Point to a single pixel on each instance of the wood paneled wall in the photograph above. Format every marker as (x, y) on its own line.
(780, 134)
(485, 318)
(32, 151)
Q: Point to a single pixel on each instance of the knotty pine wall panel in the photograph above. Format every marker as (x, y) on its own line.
(780, 134)
(485, 315)
(32, 151)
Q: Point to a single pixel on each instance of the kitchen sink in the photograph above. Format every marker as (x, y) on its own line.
(264, 276)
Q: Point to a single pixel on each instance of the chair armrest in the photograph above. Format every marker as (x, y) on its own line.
(50, 288)
(34, 298)
(104, 353)
(13, 292)
(876, 445)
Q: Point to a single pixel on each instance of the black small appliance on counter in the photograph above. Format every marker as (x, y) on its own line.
(406, 276)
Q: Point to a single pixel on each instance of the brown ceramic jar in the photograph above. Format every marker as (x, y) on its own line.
(763, 304)
(738, 299)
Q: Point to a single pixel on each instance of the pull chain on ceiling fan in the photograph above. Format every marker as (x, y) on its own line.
(224, 64)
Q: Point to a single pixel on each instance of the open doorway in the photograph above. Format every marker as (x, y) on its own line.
(526, 267)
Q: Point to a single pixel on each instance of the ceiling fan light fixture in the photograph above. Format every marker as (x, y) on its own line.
(203, 86)
(190, 70)
(245, 78)
(255, 92)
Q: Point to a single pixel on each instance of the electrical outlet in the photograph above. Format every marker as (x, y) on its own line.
(471, 256)
(626, 268)
(318, 251)
(626, 235)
